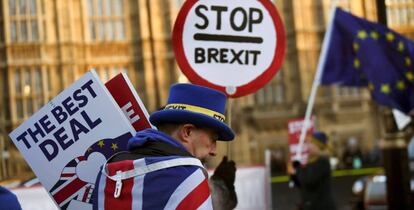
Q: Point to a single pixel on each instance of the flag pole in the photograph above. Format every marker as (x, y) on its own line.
(230, 107)
(316, 81)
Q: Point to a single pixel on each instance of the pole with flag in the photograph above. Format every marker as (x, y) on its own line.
(316, 82)
(360, 53)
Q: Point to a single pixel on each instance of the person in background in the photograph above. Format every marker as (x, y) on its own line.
(163, 168)
(314, 178)
(8, 200)
(352, 157)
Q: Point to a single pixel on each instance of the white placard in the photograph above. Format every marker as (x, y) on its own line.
(68, 139)
(250, 28)
(234, 46)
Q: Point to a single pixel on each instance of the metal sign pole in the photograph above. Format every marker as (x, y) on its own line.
(229, 110)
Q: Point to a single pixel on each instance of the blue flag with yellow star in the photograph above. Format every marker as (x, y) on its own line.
(363, 53)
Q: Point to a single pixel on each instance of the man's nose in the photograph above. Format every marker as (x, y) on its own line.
(213, 150)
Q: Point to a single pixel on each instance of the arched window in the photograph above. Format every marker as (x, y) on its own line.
(106, 20)
(24, 22)
(272, 93)
(31, 90)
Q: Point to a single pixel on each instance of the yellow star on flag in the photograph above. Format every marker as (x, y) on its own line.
(400, 46)
(101, 143)
(407, 61)
(355, 45)
(400, 85)
(362, 34)
(409, 76)
(390, 36)
(371, 86)
(114, 146)
(357, 63)
(385, 88)
(374, 35)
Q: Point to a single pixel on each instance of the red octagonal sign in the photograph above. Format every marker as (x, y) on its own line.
(232, 46)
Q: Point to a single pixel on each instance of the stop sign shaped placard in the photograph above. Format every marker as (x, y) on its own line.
(235, 46)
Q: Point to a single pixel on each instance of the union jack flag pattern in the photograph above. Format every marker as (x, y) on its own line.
(170, 182)
(72, 189)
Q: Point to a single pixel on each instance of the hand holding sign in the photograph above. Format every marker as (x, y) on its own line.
(235, 48)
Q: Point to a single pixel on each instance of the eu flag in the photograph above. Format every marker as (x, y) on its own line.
(363, 53)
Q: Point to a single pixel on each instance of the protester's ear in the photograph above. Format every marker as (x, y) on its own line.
(186, 133)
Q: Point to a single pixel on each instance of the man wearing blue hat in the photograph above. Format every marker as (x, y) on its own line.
(163, 168)
(314, 179)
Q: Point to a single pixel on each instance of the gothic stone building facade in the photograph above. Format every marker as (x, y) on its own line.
(45, 45)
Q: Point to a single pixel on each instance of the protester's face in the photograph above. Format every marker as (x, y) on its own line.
(204, 143)
(313, 149)
(200, 142)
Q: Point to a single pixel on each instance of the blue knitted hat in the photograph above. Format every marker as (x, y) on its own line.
(198, 105)
(320, 139)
